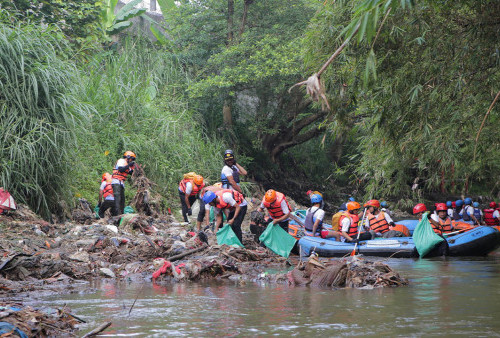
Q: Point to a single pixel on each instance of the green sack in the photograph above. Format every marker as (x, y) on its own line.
(96, 211)
(278, 240)
(128, 210)
(226, 235)
(424, 237)
(212, 215)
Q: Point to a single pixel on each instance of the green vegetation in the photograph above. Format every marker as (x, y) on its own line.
(407, 96)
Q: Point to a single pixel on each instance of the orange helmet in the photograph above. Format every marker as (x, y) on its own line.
(198, 180)
(270, 196)
(420, 207)
(372, 203)
(129, 154)
(353, 206)
(105, 177)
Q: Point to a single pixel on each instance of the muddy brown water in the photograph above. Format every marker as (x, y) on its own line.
(446, 297)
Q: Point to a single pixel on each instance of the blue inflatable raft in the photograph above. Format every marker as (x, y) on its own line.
(478, 241)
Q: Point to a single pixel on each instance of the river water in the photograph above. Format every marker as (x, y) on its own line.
(445, 297)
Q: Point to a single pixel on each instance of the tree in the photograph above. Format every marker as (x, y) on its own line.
(416, 122)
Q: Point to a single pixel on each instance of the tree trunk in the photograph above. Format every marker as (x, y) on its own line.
(230, 14)
(247, 4)
(226, 113)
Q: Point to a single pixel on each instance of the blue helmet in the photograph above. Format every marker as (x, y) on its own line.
(448, 204)
(343, 207)
(208, 197)
(383, 204)
(352, 199)
(316, 198)
(468, 201)
(475, 205)
(459, 203)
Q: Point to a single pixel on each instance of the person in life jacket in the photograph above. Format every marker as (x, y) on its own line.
(229, 202)
(309, 193)
(467, 212)
(449, 210)
(379, 222)
(492, 215)
(204, 213)
(457, 211)
(124, 166)
(420, 209)
(349, 224)
(385, 208)
(189, 188)
(441, 223)
(478, 213)
(106, 193)
(313, 223)
(231, 172)
(277, 206)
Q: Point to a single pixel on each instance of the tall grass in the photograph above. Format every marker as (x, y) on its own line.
(38, 114)
(138, 95)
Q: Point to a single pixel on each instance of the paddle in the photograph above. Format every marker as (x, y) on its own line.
(455, 232)
(353, 253)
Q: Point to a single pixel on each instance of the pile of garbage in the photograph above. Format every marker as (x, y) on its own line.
(17, 320)
(352, 272)
(37, 255)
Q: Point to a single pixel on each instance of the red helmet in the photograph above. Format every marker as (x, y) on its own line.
(372, 203)
(419, 208)
(493, 205)
(453, 204)
(441, 207)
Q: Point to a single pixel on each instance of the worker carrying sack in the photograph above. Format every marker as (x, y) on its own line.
(424, 237)
(277, 240)
(226, 235)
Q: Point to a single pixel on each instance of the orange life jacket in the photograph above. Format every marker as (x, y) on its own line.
(108, 190)
(353, 228)
(445, 226)
(275, 208)
(488, 217)
(378, 223)
(223, 205)
(196, 188)
(120, 176)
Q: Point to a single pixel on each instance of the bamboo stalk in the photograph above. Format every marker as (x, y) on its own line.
(97, 330)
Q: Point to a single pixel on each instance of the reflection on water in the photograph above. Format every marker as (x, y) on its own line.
(446, 297)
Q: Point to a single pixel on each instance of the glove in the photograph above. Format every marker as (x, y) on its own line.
(99, 204)
(354, 240)
(190, 212)
(429, 215)
(131, 164)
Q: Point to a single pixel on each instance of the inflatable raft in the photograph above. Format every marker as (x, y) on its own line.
(478, 241)
(475, 241)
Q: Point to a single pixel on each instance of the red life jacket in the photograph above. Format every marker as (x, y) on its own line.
(488, 217)
(275, 208)
(378, 223)
(446, 226)
(223, 205)
(108, 190)
(353, 228)
(196, 188)
(120, 176)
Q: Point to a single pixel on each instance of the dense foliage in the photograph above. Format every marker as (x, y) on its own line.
(437, 72)
(38, 116)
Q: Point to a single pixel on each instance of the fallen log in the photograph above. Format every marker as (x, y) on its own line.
(97, 330)
(186, 253)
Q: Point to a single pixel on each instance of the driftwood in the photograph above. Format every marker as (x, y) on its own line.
(186, 253)
(97, 330)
